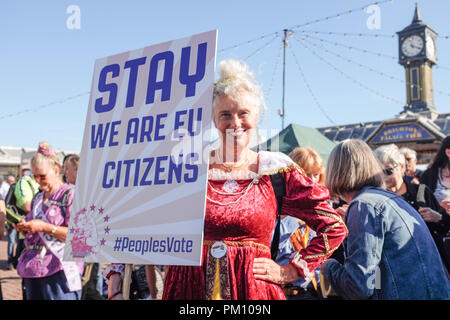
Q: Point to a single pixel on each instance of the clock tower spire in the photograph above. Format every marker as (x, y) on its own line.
(417, 54)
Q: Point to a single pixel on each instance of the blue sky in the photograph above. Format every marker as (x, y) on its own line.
(43, 62)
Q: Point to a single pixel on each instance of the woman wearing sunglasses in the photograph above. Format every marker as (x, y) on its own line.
(419, 196)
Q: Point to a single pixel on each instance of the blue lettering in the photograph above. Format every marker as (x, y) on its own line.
(100, 136)
(169, 244)
(175, 166)
(125, 243)
(109, 184)
(159, 169)
(134, 66)
(192, 167)
(138, 245)
(166, 83)
(145, 132)
(189, 244)
(114, 132)
(136, 172)
(131, 246)
(162, 244)
(144, 181)
(132, 130)
(119, 168)
(104, 87)
(178, 124)
(144, 246)
(155, 245)
(159, 126)
(198, 122)
(191, 80)
(127, 164)
(177, 245)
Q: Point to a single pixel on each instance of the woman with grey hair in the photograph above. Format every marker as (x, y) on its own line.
(388, 248)
(412, 174)
(393, 163)
(419, 196)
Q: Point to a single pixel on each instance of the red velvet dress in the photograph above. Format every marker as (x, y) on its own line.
(244, 220)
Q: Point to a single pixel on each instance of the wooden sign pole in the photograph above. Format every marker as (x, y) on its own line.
(127, 282)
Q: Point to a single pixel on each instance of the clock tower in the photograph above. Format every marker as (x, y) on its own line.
(417, 53)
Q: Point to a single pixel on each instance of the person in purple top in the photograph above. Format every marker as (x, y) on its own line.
(46, 276)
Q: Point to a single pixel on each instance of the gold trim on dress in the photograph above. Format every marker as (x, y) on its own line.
(283, 170)
(253, 244)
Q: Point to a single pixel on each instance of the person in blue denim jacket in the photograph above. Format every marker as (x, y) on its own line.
(389, 252)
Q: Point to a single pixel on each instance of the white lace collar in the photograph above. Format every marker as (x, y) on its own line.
(269, 163)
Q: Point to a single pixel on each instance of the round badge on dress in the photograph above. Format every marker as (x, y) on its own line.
(218, 249)
(52, 212)
(230, 186)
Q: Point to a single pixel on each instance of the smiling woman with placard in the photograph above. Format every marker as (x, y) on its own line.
(241, 208)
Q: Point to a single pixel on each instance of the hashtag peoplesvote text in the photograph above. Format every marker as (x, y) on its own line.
(165, 245)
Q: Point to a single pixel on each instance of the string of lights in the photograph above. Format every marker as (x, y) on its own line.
(345, 75)
(307, 24)
(373, 70)
(43, 106)
(266, 45)
(363, 50)
(316, 101)
(249, 42)
(352, 47)
(350, 34)
(268, 91)
(361, 35)
(341, 14)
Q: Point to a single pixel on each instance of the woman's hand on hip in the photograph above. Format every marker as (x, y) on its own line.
(268, 270)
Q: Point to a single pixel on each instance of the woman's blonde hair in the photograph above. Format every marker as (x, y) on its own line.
(309, 160)
(236, 77)
(45, 154)
(352, 166)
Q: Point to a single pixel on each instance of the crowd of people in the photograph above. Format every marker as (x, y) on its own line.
(365, 225)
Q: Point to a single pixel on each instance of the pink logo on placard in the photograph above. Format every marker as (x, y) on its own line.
(85, 238)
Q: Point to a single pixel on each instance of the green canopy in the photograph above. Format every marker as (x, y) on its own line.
(299, 136)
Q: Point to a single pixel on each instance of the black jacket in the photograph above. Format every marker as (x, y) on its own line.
(437, 229)
(430, 178)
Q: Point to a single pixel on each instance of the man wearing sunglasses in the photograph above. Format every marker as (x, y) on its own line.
(418, 196)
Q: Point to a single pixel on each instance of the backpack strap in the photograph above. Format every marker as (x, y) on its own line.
(63, 203)
(65, 200)
(279, 188)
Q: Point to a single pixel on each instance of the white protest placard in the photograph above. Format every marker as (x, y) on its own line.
(141, 184)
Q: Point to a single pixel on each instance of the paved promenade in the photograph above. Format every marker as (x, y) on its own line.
(11, 282)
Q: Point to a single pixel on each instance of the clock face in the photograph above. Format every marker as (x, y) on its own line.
(431, 47)
(412, 46)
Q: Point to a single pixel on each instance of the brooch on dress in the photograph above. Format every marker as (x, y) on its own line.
(230, 186)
